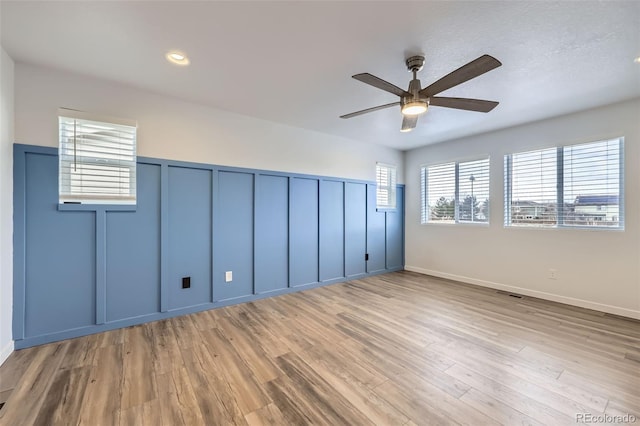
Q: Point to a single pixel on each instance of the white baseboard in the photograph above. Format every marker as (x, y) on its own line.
(6, 351)
(630, 313)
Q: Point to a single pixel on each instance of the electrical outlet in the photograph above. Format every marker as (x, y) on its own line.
(553, 274)
(228, 276)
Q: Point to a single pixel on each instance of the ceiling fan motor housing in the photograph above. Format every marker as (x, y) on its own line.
(415, 63)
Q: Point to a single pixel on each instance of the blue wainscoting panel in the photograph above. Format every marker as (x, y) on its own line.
(395, 233)
(233, 239)
(189, 236)
(271, 233)
(304, 231)
(376, 234)
(331, 230)
(82, 269)
(133, 251)
(355, 228)
(60, 255)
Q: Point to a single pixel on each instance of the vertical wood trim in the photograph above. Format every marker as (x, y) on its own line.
(164, 238)
(101, 266)
(253, 231)
(319, 189)
(289, 251)
(19, 240)
(214, 203)
(291, 257)
(215, 195)
(344, 229)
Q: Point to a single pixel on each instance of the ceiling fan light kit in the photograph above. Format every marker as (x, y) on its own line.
(415, 101)
(414, 107)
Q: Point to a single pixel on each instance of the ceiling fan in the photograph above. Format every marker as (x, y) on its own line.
(414, 101)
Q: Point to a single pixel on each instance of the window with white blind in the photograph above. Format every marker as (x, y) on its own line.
(385, 186)
(456, 192)
(97, 160)
(571, 186)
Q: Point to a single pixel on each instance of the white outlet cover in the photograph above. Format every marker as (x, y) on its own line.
(228, 276)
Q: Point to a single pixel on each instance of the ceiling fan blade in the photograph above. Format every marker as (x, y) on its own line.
(375, 108)
(374, 81)
(473, 69)
(409, 122)
(478, 105)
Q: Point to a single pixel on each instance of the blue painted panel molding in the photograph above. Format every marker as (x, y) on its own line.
(82, 269)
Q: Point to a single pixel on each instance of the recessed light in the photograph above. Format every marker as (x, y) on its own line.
(637, 60)
(177, 58)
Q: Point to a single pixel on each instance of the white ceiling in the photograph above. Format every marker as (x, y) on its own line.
(291, 62)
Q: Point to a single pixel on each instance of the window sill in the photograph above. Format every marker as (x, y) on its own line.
(556, 227)
(479, 224)
(70, 207)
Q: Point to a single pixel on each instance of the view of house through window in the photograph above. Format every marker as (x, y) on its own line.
(576, 185)
(456, 192)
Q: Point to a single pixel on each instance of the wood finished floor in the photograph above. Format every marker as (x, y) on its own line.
(396, 349)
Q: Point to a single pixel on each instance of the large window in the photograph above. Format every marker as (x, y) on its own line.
(385, 186)
(97, 160)
(577, 185)
(456, 192)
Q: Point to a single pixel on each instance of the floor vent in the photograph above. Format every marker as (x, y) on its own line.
(506, 293)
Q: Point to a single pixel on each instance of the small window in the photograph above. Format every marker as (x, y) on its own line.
(572, 186)
(385, 186)
(456, 192)
(439, 193)
(97, 160)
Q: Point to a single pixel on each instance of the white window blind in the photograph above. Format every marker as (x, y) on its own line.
(438, 193)
(533, 184)
(577, 185)
(592, 184)
(97, 160)
(456, 192)
(473, 191)
(385, 186)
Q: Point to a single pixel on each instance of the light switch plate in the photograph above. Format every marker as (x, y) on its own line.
(228, 276)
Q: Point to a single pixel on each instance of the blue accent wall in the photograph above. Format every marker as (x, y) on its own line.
(355, 229)
(189, 247)
(133, 252)
(234, 235)
(60, 252)
(331, 230)
(271, 233)
(394, 224)
(376, 234)
(81, 269)
(303, 231)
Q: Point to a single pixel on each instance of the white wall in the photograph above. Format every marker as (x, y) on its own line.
(6, 204)
(595, 268)
(173, 129)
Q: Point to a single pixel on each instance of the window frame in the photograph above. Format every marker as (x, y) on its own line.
(392, 187)
(424, 193)
(66, 200)
(560, 173)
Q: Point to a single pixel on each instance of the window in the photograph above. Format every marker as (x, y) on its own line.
(456, 192)
(97, 160)
(385, 186)
(577, 185)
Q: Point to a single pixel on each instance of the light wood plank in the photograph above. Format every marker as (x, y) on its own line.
(400, 348)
